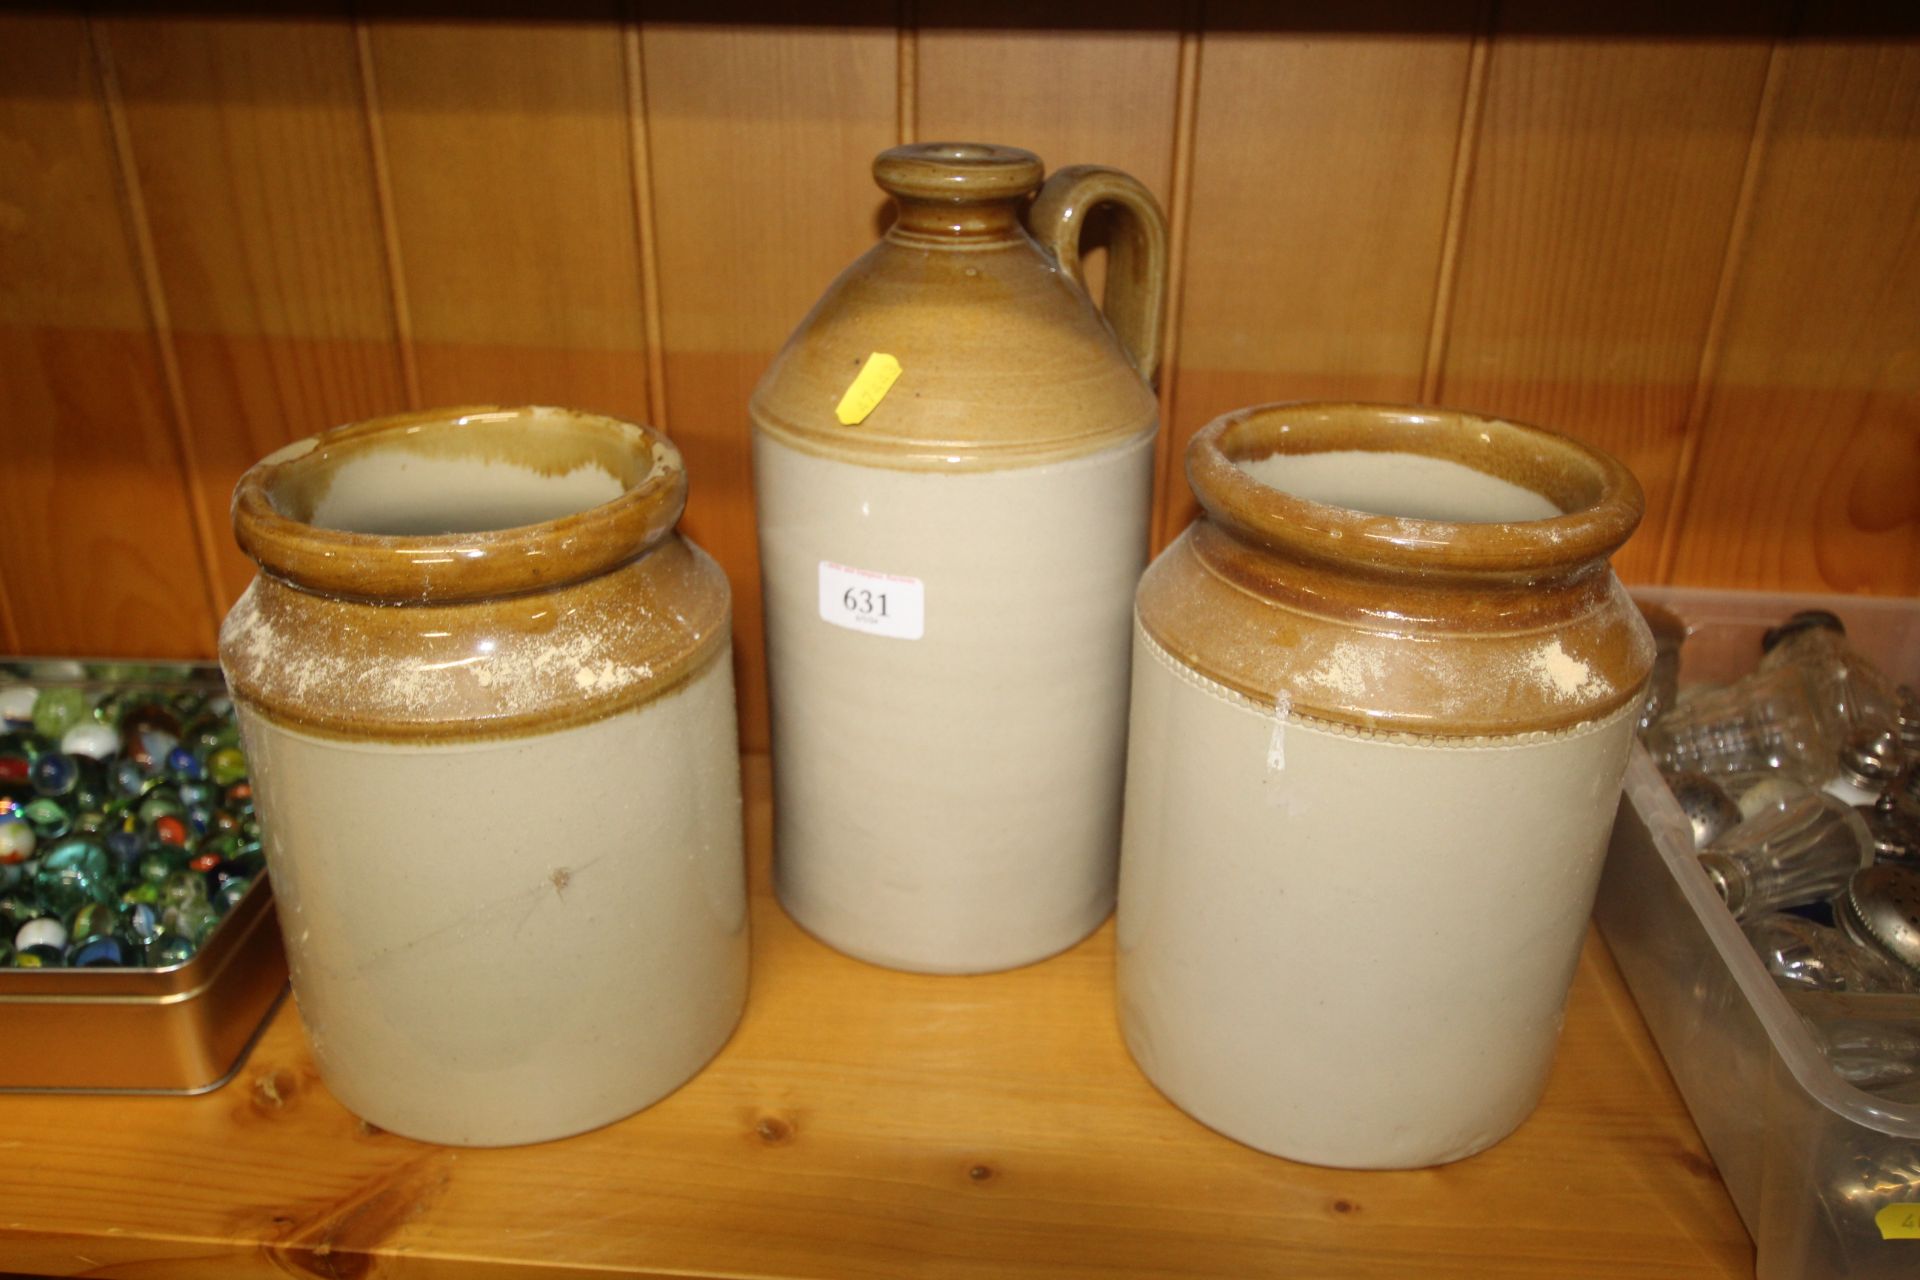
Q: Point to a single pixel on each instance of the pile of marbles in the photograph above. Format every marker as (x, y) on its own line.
(127, 827)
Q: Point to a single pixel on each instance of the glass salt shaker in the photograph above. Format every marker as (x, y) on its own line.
(1801, 852)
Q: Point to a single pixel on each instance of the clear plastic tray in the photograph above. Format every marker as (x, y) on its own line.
(1825, 1175)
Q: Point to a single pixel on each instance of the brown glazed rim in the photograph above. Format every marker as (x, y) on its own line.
(1601, 500)
(957, 171)
(455, 567)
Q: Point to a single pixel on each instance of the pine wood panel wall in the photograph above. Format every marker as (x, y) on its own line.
(1691, 237)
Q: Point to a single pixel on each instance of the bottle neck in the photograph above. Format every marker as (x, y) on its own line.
(923, 221)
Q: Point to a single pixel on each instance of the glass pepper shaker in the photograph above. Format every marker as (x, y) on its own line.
(1768, 721)
(1801, 852)
(1848, 685)
(1807, 956)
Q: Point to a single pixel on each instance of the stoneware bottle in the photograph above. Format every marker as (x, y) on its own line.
(949, 574)
(485, 690)
(1383, 693)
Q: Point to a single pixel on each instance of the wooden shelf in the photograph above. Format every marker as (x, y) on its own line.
(864, 1123)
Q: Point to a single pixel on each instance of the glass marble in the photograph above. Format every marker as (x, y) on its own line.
(102, 952)
(40, 957)
(140, 921)
(171, 831)
(169, 949)
(16, 909)
(12, 874)
(16, 705)
(193, 920)
(152, 749)
(129, 779)
(149, 715)
(91, 739)
(155, 867)
(20, 749)
(183, 887)
(162, 803)
(48, 817)
(230, 892)
(74, 872)
(94, 920)
(17, 840)
(91, 822)
(91, 788)
(184, 765)
(54, 774)
(126, 847)
(46, 931)
(57, 710)
(226, 766)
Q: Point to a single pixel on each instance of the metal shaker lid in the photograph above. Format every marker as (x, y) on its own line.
(1706, 805)
(1891, 823)
(1805, 620)
(1881, 909)
(1871, 758)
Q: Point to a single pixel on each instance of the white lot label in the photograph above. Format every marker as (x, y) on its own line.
(885, 604)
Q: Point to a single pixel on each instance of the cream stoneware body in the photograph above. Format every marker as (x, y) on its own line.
(948, 580)
(1383, 693)
(485, 691)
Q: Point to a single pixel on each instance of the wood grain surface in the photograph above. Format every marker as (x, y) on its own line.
(1322, 164)
(1594, 236)
(266, 232)
(864, 1123)
(507, 150)
(1809, 468)
(98, 549)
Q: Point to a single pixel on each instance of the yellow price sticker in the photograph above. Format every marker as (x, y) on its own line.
(1899, 1221)
(870, 387)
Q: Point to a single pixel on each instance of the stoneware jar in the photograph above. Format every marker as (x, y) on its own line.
(1383, 693)
(949, 567)
(485, 691)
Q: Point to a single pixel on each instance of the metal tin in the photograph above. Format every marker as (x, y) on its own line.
(182, 1029)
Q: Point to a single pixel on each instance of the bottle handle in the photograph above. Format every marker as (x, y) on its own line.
(1136, 302)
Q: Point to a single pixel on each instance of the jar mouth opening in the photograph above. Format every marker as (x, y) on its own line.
(459, 504)
(1397, 487)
